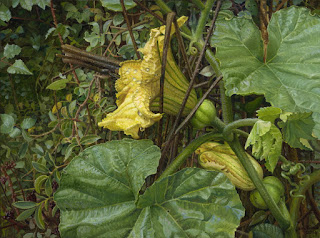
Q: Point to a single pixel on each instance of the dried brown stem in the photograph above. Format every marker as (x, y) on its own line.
(125, 14)
(151, 12)
(196, 70)
(170, 18)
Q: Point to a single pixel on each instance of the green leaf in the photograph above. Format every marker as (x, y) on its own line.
(48, 187)
(38, 183)
(99, 189)
(11, 51)
(258, 217)
(69, 150)
(267, 231)
(191, 203)
(15, 132)
(89, 139)
(115, 5)
(7, 123)
(58, 85)
(266, 141)
(23, 150)
(28, 123)
(290, 77)
(43, 3)
(25, 204)
(26, 136)
(25, 214)
(269, 113)
(297, 127)
(26, 4)
(5, 14)
(40, 167)
(38, 218)
(18, 68)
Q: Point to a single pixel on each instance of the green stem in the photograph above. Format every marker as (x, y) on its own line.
(296, 201)
(199, 4)
(289, 233)
(276, 212)
(226, 104)
(210, 57)
(236, 124)
(180, 159)
(199, 44)
(202, 21)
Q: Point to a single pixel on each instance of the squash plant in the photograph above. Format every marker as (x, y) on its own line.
(102, 191)
(127, 188)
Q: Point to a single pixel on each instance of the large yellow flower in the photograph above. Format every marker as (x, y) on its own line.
(139, 86)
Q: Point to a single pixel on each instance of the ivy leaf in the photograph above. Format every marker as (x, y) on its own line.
(266, 141)
(26, 4)
(28, 123)
(7, 123)
(18, 68)
(5, 14)
(269, 113)
(115, 5)
(58, 85)
(43, 3)
(290, 77)
(11, 51)
(297, 130)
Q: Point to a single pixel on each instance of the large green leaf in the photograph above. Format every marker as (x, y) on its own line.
(100, 187)
(191, 203)
(290, 77)
(297, 130)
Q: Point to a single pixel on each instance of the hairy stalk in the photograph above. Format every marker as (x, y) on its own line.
(180, 159)
(201, 23)
(227, 131)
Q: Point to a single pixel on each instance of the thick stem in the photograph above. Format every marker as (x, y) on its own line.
(202, 22)
(276, 212)
(296, 201)
(180, 159)
(236, 124)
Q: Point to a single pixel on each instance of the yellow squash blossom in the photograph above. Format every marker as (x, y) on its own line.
(139, 86)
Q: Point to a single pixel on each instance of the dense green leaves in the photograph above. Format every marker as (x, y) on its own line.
(99, 189)
(290, 77)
